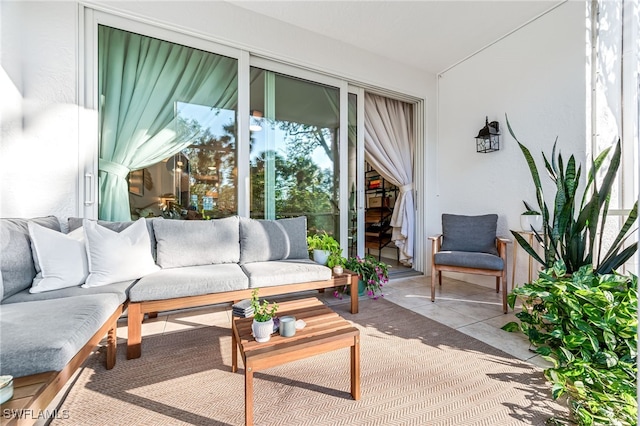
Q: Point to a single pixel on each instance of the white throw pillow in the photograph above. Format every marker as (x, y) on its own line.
(62, 258)
(115, 257)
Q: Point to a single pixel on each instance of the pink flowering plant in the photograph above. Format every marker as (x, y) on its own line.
(374, 274)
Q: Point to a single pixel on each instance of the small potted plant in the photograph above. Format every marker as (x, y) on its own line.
(262, 326)
(324, 247)
(530, 219)
(372, 275)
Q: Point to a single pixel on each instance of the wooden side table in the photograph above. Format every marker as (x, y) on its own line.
(325, 331)
(529, 235)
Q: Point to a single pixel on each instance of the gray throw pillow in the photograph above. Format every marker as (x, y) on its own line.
(469, 233)
(262, 240)
(197, 242)
(16, 257)
(296, 229)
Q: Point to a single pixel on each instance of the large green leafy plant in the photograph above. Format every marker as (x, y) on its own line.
(570, 231)
(586, 325)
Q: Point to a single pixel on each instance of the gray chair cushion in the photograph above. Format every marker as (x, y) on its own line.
(280, 272)
(45, 335)
(296, 229)
(120, 289)
(469, 233)
(189, 281)
(262, 240)
(469, 260)
(197, 242)
(76, 222)
(16, 259)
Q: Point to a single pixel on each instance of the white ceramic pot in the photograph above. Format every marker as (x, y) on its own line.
(527, 221)
(262, 330)
(321, 256)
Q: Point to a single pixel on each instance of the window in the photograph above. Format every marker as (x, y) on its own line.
(167, 144)
(294, 156)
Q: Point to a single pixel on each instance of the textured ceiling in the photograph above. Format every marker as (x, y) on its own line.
(429, 35)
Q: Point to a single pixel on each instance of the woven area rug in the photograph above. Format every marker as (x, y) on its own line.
(414, 372)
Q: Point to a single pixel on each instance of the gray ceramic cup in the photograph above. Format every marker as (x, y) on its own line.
(287, 326)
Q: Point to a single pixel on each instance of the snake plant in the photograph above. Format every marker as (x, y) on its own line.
(570, 231)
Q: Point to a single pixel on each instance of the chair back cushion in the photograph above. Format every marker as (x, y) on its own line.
(469, 233)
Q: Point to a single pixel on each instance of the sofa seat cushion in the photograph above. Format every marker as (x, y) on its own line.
(189, 281)
(290, 271)
(469, 260)
(120, 289)
(16, 260)
(45, 335)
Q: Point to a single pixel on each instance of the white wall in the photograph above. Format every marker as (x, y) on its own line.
(40, 62)
(39, 139)
(536, 76)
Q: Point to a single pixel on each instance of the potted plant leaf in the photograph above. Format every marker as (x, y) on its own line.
(324, 248)
(263, 313)
(573, 234)
(530, 219)
(372, 276)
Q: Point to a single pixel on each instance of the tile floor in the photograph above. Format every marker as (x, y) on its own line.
(472, 309)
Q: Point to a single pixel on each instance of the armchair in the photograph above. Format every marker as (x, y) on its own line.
(468, 244)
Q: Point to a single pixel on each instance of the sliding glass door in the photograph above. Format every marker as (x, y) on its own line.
(294, 150)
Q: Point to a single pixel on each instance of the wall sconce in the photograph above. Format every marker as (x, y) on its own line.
(254, 120)
(488, 139)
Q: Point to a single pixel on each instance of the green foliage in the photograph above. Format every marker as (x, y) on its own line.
(530, 211)
(570, 234)
(326, 242)
(262, 312)
(586, 325)
(374, 273)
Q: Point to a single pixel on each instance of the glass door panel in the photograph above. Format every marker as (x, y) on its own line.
(294, 155)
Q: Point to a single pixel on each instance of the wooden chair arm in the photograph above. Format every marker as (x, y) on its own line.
(436, 240)
(502, 246)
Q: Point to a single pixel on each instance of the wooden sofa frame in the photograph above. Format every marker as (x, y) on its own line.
(33, 394)
(501, 276)
(137, 310)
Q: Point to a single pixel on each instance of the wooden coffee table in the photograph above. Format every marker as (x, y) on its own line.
(325, 331)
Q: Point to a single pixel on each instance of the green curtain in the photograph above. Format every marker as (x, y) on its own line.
(141, 79)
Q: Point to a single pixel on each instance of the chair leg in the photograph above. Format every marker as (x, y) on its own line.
(498, 284)
(434, 271)
(440, 278)
(505, 286)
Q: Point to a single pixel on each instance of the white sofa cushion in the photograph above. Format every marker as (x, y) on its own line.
(61, 258)
(114, 256)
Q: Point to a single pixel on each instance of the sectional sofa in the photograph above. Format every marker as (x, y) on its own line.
(63, 292)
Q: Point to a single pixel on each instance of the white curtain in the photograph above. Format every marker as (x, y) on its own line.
(389, 142)
(141, 80)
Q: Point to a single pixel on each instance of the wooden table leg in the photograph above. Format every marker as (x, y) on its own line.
(248, 395)
(354, 294)
(234, 348)
(355, 368)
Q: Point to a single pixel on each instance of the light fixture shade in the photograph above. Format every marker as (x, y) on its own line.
(488, 139)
